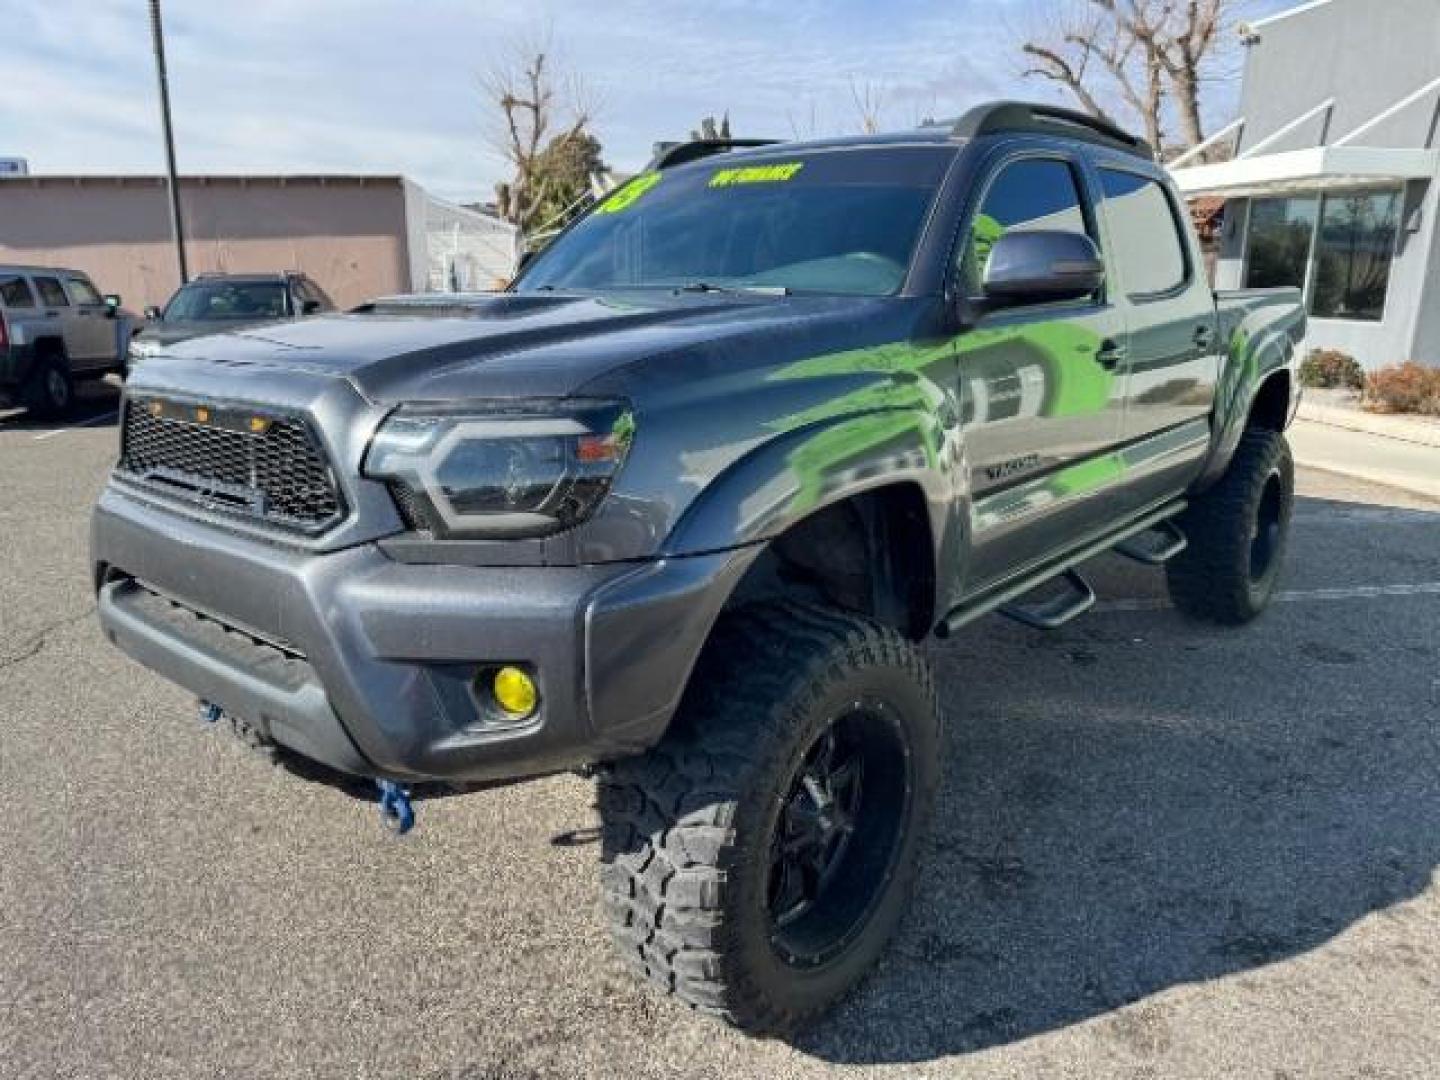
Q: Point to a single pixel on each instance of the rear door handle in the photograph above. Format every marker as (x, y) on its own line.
(1204, 337)
(1110, 354)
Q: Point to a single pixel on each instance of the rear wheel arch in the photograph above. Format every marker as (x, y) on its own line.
(50, 348)
(1270, 407)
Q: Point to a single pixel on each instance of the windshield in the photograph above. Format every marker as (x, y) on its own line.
(837, 221)
(219, 300)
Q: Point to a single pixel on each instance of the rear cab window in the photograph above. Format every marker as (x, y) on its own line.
(15, 292)
(1145, 231)
(51, 294)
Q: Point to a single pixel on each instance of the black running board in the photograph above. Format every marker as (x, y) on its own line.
(1005, 592)
(1172, 543)
(1058, 610)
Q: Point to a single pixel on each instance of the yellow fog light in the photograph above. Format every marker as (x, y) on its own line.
(514, 691)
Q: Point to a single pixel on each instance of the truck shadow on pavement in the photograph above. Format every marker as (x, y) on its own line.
(97, 404)
(1137, 803)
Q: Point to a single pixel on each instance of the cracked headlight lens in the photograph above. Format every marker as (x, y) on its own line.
(500, 473)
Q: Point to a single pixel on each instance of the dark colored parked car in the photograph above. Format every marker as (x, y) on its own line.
(680, 507)
(215, 303)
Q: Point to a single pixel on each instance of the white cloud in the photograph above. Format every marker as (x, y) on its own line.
(386, 86)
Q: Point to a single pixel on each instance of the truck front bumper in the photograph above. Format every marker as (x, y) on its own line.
(369, 665)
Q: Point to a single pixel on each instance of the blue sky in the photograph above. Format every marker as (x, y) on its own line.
(388, 86)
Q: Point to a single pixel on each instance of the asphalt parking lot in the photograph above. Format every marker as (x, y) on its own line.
(1163, 850)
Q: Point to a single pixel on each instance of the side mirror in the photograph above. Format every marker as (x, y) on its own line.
(112, 305)
(152, 313)
(1040, 267)
(309, 307)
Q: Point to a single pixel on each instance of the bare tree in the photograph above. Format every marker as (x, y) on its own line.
(538, 107)
(1145, 52)
(868, 99)
(805, 125)
(1191, 35)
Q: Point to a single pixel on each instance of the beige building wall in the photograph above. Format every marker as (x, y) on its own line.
(348, 233)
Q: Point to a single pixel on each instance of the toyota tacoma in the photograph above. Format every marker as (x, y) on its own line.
(680, 507)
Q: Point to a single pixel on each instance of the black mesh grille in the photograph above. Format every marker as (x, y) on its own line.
(415, 515)
(277, 474)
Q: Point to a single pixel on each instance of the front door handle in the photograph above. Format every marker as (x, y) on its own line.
(1110, 354)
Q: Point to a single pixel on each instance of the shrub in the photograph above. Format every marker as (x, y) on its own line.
(1329, 369)
(1404, 388)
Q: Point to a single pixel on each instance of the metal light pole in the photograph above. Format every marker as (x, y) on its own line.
(177, 229)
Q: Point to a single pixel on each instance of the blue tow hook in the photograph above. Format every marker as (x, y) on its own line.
(210, 713)
(396, 812)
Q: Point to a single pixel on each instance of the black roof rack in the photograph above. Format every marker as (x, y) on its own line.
(670, 154)
(1048, 120)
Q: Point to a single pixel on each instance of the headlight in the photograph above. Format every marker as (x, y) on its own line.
(500, 474)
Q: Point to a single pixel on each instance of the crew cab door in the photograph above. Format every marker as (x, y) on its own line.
(57, 318)
(94, 328)
(1172, 360)
(1040, 399)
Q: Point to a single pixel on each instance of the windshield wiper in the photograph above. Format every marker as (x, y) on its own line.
(711, 287)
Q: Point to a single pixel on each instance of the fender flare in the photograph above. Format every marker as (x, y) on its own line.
(788, 478)
(1246, 376)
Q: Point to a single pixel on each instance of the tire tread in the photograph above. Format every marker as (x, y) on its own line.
(668, 817)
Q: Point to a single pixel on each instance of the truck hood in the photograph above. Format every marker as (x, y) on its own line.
(172, 333)
(516, 345)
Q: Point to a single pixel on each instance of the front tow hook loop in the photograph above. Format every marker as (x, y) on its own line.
(396, 812)
(210, 713)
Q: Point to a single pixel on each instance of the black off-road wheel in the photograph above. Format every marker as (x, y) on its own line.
(50, 391)
(1238, 531)
(757, 861)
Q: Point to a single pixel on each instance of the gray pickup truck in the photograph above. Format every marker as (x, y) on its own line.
(55, 329)
(679, 507)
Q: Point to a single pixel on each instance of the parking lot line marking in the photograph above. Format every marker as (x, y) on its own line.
(83, 423)
(1367, 515)
(1293, 596)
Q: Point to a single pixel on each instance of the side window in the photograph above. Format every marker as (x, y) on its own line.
(15, 293)
(51, 294)
(1032, 194)
(1145, 230)
(82, 292)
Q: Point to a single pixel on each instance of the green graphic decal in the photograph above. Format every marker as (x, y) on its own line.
(756, 174)
(1075, 383)
(984, 231)
(877, 420)
(623, 198)
(885, 417)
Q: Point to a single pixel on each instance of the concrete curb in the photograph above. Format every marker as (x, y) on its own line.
(1404, 428)
(1361, 455)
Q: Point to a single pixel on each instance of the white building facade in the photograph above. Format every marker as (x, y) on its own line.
(1333, 187)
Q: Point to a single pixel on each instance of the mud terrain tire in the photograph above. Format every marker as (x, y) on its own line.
(1238, 531)
(756, 862)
